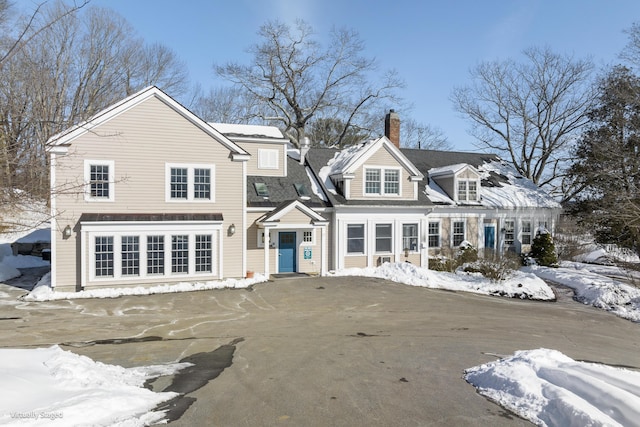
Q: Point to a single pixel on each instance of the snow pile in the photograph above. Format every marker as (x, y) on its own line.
(50, 386)
(43, 292)
(550, 389)
(9, 264)
(593, 288)
(519, 285)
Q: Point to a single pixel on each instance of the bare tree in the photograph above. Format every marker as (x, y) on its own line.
(225, 104)
(295, 79)
(73, 66)
(529, 112)
(423, 137)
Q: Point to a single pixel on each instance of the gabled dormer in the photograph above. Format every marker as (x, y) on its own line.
(266, 145)
(375, 170)
(461, 182)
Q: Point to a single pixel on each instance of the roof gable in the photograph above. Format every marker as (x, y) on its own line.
(286, 207)
(453, 170)
(352, 158)
(67, 137)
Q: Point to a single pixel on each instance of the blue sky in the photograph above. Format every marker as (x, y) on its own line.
(431, 44)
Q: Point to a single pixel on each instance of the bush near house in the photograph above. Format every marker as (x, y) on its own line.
(543, 250)
(496, 269)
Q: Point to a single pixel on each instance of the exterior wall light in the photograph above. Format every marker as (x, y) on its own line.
(232, 230)
(66, 233)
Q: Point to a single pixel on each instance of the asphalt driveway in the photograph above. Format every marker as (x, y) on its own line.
(346, 351)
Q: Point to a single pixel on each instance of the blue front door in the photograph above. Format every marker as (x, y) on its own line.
(286, 252)
(490, 236)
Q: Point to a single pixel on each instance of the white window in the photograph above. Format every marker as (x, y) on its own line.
(204, 253)
(525, 232)
(410, 237)
(307, 236)
(180, 253)
(190, 182)
(267, 158)
(383, 238)
(355, 238)
(122, 255)
(509, 232)
(130, 255)
(458, 233)
(99, 181)
(155, 255)
(372, 181)
(381, 182)
(467, 190)
(434, 234)
(103, 256)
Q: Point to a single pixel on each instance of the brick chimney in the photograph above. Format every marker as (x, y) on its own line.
(392, 127)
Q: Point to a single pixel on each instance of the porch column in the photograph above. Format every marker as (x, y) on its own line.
(267, 244)
(323, 251)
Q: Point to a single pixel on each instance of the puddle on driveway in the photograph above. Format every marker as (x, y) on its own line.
(206, 366)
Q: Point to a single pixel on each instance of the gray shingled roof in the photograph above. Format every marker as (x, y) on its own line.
(282, 189)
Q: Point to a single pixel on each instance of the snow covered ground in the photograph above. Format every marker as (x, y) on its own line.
(550, 389)
(53, 387)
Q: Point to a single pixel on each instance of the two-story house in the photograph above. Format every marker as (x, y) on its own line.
(145, 192)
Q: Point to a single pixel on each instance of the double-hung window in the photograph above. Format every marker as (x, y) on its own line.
(180, 254)
(467, 190)
(99, 181)
(355, 238)
(381, 182)
(152, 254)
(372, 181)
(155, 254)
(383, 238)
(509, 232)
(186, 182)
(458, 233)
(103, 256)
(204, 253)
(525, 232)
(434, 234)
(130, 255)
(410, 237)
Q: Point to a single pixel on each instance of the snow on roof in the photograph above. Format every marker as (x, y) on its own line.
(37, 236)
(447, 170)
(247, 130)
(515, 192)
(518, 192)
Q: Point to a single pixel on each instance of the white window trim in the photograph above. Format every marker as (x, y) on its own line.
(268, 158)
(439, 222)
(313, 238)
(464, 236)
(364, 237)
(524, 233)
(143, 230)
(514, 231)
(190, 182)
(417, 224)
(382, 170)
(375, 238)
(87, 180)
(467, 181)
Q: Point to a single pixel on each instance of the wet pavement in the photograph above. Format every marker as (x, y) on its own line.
(348, 351)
